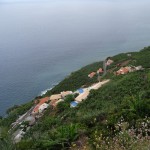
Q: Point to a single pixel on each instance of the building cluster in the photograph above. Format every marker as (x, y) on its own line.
(44, 103)
(128, 69)
(108, 62)
(92, 74)
(53, 100)
(84, 93)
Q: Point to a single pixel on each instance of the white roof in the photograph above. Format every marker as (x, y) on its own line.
(138, 67)
(98, 85)
(43, 106)
(82, 96)
(61, 100)
(65, 93)
(55, 96)
(30, 119)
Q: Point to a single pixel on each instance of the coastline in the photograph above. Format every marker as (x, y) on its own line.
(53, 85)
(48, 89)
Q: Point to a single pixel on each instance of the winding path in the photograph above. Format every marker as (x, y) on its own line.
(104, 68)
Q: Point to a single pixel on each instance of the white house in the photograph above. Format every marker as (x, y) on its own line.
(55, 97)
(43, 107)
(139, 68)
(19, 136)
(109, 62)
(82, 96)
(31, 120)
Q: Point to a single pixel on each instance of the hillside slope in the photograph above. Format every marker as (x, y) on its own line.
(116, 116)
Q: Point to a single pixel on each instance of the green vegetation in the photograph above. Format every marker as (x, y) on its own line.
(77, 79)
(14, 112)
(116, 116)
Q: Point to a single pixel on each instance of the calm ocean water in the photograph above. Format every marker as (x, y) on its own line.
(43, 41)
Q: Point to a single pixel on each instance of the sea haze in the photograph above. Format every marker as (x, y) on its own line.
(42, 41)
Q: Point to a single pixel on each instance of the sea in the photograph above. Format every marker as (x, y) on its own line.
(43, 41)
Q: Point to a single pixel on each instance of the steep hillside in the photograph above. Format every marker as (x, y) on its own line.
(116, 116)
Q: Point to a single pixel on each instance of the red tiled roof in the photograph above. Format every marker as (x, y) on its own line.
(100, 70)
(123, 70)
(41, 101)
(91, 75)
